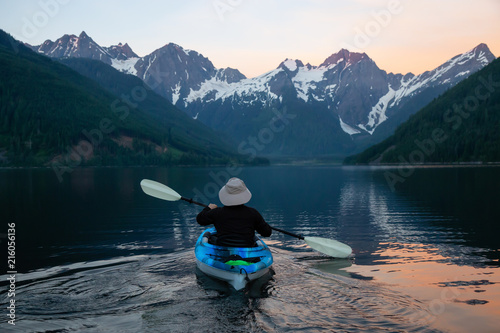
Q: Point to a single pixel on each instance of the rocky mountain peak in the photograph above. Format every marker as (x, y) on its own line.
(230, 75)
(81, 46)
(83, 34)
(291, 64)
(121, 51)
(344, 55)
(483, 53)
(482, 47)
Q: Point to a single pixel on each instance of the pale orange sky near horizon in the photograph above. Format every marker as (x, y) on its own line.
(420, 36)
(395, 60)
(255, 36)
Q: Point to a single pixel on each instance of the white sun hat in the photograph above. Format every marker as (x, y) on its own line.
(234, 193)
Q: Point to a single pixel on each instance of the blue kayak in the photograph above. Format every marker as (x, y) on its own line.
(235, 265)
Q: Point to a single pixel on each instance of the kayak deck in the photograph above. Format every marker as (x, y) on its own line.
(229, 264)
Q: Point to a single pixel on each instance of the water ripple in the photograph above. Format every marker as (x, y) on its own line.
(153, 293)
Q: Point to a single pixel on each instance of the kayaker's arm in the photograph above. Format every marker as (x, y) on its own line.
(262, 227)
(204, 217)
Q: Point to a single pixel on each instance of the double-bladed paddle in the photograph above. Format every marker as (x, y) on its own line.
(327, 246)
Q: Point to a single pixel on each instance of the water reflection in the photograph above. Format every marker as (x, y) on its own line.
(456, 297)
(425, 256)
(333, 266)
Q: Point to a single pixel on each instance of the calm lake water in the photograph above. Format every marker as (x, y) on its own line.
(95, 254)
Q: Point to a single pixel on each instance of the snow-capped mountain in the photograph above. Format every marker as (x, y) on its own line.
(347, 89)
(173, 71)
(348, 84)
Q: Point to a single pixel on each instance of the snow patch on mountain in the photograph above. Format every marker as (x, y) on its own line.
(176, 93)
(246, 88)
(150, 62)
(377, 115)
(462, 73)
(347, 128)
(305, 80)
(208, 86)
(126, 66)
(290, 64)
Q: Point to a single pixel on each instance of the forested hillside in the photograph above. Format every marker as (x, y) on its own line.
(50, 114)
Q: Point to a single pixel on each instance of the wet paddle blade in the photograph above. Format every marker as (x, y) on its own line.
(329, 247)
(158, 190)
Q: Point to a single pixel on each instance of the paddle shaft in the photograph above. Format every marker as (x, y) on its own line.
(288, 233)
(194, 202)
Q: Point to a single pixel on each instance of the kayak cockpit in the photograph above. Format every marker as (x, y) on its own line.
(236, 265)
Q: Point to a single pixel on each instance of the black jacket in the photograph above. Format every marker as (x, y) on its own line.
(235, 225)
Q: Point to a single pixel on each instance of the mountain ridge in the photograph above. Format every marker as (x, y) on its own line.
(367, 102)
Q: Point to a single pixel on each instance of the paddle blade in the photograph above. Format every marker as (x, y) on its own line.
(158, 190)
(329, 247)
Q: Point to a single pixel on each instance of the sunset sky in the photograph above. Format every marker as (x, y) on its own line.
(255, 36)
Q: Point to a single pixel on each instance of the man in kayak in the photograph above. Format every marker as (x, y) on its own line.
(235, 223)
